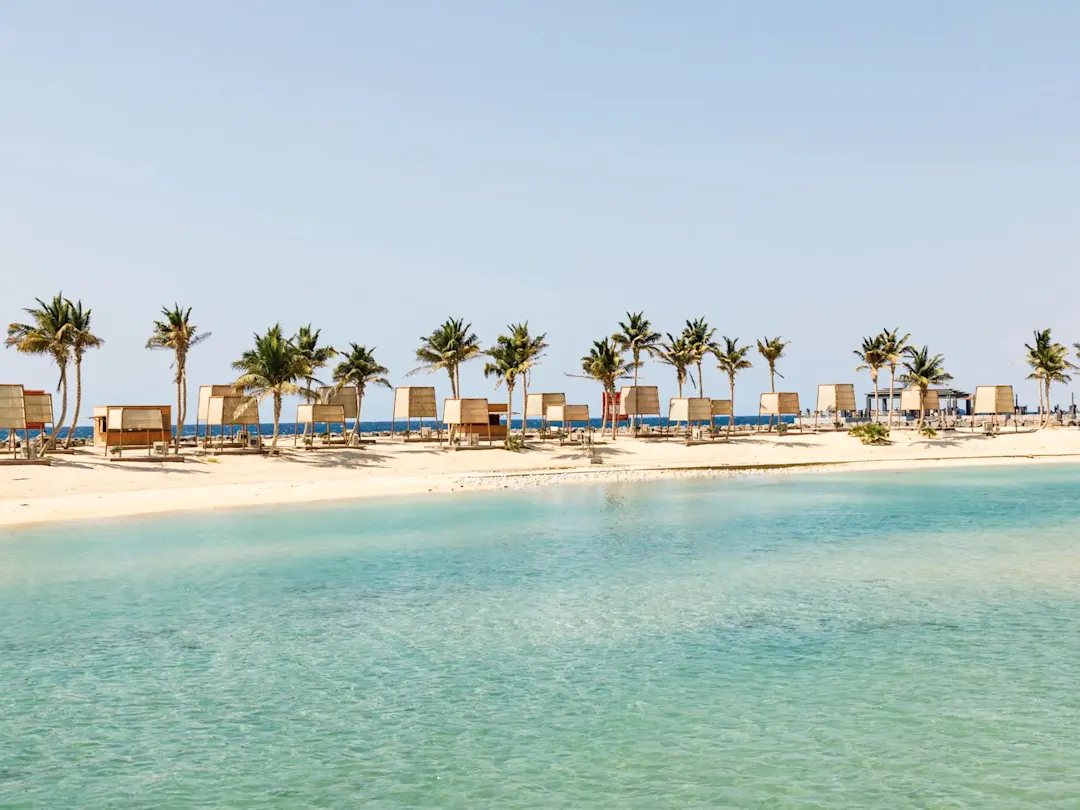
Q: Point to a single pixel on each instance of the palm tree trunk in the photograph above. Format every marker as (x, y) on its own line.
(181, 398)
(873, 400)
(277, 420)
(772, 390)
(1039, 423)
(524, 409)
(611, 401)
(1048, 422)
(604, 413)
(922, 406)
(509, 412)
(356, 424)
(63, 407)
(453, 382)
(700, 381)
(679, 381)
(892, 392)
(637, 359)
(78, 400)
(731, 417)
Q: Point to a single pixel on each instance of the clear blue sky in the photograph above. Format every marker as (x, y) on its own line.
(776, 167)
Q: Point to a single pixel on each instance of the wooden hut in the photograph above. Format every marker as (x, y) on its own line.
(309, 414)
(120, 426)
(536, 406)
(415, 403)
(834, 398)
(234, 411)
(465, 417)
(693, 411)
(779, 404)
(993, 401)
(638, 401)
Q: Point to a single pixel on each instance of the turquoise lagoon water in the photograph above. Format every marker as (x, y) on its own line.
(904, 640)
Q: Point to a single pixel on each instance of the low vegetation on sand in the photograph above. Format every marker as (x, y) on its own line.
(870, 433)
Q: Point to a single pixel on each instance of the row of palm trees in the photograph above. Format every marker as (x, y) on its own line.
(58, 329)
(278, 366)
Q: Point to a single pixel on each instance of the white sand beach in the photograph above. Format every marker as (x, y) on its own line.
(86, 485)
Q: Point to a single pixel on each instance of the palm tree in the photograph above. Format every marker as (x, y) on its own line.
(306, 341)
(605, 364)
(531, 349)
(360, 369)
(1050, 364)
(47, 334)
(772, 349)
(507, 363)
(732, 360)
(921, 371)
(179, 335)
(272, 369)
(872, 358)
(893, 346)
(1037, 356)
(699, 338)
(81, 338)
(450, 345)
(676, 352)
(636, 336)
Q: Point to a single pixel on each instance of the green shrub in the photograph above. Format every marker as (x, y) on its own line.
(515, 444)
(870, 433)
(928, 431)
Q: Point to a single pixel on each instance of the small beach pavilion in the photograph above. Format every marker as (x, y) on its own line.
(469, 417)
(25, 411)
(567, 415)
(536, 405)
(882, 400)
(203, 411)
(636, 401)
(779, 404)
(310, 414)
(120, 426)
(694, 412)
(993, 401)
(415, 402)
(836, 399)
(234, 411)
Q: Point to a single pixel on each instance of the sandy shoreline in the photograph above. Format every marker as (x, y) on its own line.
(86, 486)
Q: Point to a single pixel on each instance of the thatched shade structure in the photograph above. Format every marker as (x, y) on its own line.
(909, 400)
(232, 411)
(993, 400)
(779, 404)
(538, 404)
(135, 425)
(205, 392)
(638, 401)
(309, 414)
(835, 398)
(131, 425)
(691, 410)
(12, 408)
(39, 409)
(723, 407)
(414, 403)
(344, 396)
(567, 415)
(468, 416)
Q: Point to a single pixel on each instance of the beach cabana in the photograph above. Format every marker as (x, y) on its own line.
(137, 426)
(536, 405)
(909, 400)
(205, 392)
(234, 411)
(636, 401)
(693, 411)
(344, 396)
(993, 401)
(723, 407)
(309, 414)
(17, 413)
(468, 417)
(834, 398)
(567, 415)
(779, 404)
(415, 403)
